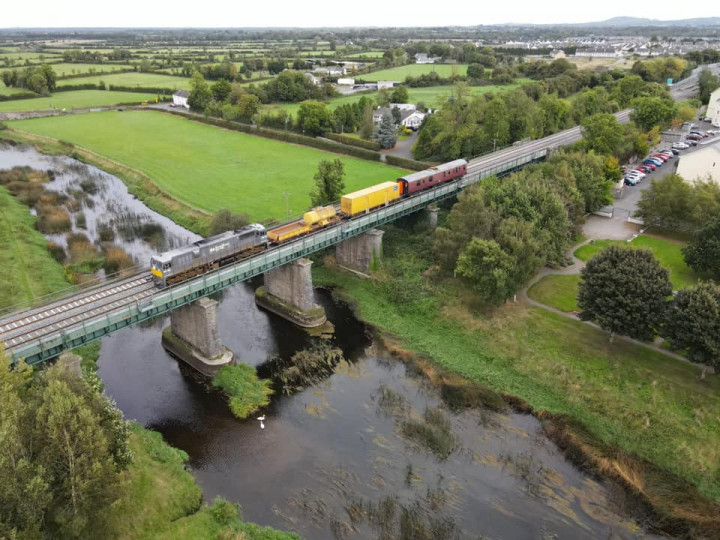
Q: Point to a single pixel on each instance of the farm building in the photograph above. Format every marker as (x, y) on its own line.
(386, 84)
(713, 108)
(701, 165)
(180, 98)
(346, 81)
(409, 116)
(313, 79)
(422, 58)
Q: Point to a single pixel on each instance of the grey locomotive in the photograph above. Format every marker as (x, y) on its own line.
(207, 254)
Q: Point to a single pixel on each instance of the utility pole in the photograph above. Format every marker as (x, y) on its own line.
(287, 205)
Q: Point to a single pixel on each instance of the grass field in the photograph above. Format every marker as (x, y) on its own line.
(666, 252)
(431, 96)
(78, 98)
(557, 291)
(648, 404)
(28, 268)
(399, 73)
(367, 55)
(63, 70)
(5, 91)
(139, 80)
(204, 166)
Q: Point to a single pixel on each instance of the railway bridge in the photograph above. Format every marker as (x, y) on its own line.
(42, 332)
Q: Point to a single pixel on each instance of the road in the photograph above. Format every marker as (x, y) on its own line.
(688, 87)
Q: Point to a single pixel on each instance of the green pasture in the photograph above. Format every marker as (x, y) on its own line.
(204, 166)
(399, 73)
(135, 79)
(75, 99)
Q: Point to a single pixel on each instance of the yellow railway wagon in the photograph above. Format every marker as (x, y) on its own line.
(316, 218)
(369, 198)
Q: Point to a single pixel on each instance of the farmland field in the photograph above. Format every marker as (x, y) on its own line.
(5, 91)
(63, 70)
(369, 55)
(204, 166)
(399, 73)
(431, 96)
(139, 80)
(70, 100)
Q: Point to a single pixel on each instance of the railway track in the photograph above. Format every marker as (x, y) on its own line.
(63, 314)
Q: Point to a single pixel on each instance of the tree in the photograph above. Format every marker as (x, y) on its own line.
(400, 95)
(64, 445)
(693, 323)
(649, 112)
(667, 203)
(200, 94)
(476, 71)
(383, 97)
(702, 254)
(495, 122)
(625, 291)
(225, 220)
(329, 182)
(386, 132)
(602, 133)
(313, 118)
(707, 83)
(484, 264)
(396, 115)
(366, 127)
(248, 106)
(221, 90)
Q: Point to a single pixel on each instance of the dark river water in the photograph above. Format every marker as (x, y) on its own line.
(332, 461)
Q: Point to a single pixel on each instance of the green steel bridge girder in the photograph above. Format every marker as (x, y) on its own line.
(166, 300)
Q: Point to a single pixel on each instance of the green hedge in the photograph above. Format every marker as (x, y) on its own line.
(286, 136)
(408, 163)
(24, 95)
(362, 143)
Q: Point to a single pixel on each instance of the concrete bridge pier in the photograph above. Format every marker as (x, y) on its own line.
(431, 217)
(361, 254)
(193, 337)
(288, 292)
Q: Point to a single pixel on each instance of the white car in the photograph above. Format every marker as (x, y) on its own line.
(635, 175)
(681, 146)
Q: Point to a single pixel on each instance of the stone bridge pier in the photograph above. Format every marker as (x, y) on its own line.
(361, 254)
(193, 337)
(288, 292)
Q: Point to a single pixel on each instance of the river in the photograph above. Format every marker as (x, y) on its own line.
(333, 460)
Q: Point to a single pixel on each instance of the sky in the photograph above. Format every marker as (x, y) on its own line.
(314, 13)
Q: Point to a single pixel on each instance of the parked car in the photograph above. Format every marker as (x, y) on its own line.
(657, 161)
(693, 137)
(675, 151)
(681, 145)
(664, 157)
(691, 142)
(630, 181)
(645, 168)
(650, 164)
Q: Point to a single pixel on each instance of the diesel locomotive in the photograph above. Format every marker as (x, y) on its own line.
(217, 251)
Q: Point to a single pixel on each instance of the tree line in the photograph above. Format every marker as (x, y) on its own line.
(38, 79)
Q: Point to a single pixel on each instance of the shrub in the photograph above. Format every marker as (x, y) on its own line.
(345, 139)
(57, 252)
(116, 260)
(52, 220)
(225, 220)
(245, 391)
(80, 220)
(411, 164)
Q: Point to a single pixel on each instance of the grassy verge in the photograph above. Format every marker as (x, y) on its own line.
(557, 291)
(137, 182)
(667, 252)
(203, 166)
(28, 268)
(633, 400)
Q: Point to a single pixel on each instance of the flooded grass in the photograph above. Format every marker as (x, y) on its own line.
(305, 368)
(117, 261)
(433, 433)
(390, 402)
(246, 393)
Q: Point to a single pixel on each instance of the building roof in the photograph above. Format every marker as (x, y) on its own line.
(182, 93)
(701, 164)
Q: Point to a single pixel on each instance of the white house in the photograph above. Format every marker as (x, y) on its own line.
(386, 84)
(713, 108)
(180, 98)
(404, 106)
(413, 120)
(422, 58)
(701, 165)
(313, 79)
(599, 52)
(346, 81)
(409, 116)
(556, 54)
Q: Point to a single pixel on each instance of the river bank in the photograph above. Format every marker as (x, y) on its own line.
(620, 411)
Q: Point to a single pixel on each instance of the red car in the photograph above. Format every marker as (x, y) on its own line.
(664, 157)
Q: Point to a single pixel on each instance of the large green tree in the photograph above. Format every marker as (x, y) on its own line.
(329, 182)
(602, 133)
(488, 268)
(200, 94)
(64, 445)
(693, 323)
(707, 83)
(313, 118)
(625, 291)
(703, 252)
(649, 112)
(386, 132)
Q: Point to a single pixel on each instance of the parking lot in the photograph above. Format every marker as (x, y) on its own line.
(625, 205)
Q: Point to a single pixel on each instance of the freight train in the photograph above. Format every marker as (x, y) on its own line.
(217, 251)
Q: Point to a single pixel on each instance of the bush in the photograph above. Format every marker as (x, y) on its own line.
(225, 220)
(245, 391)
(52, 220)
(116, 260)
(344, 139)
(57, 252)
(411, 164)
(80, 220)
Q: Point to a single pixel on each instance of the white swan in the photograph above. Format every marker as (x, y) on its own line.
(261, 418)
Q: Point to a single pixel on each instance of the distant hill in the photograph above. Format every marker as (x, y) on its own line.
(638, 21)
